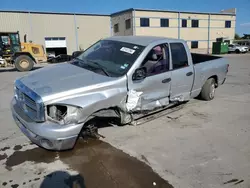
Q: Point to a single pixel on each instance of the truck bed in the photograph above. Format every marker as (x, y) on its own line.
(206, 66)
(200, 58)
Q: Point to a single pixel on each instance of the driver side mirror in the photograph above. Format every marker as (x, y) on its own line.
(76, 54)
(140, 73)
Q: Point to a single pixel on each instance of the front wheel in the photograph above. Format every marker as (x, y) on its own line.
(24, 63)
(208, 90)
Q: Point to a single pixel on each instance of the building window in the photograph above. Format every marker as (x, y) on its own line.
(116, 28)
(195, 23)
(184, 23)
(55, 38)
(164, 22)
(194, 44)
(227, 24)
(61, 38)
(128, 23)
(144, 22)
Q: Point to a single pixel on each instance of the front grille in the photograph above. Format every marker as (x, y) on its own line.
(29, 105)
(30, 102)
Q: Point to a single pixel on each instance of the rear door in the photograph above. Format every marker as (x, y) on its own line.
(182, 73)
(154, 89)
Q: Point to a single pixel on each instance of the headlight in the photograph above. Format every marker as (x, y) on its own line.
(64, 114)
(15, 92)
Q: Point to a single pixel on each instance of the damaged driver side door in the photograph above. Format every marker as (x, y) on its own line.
(151, 81)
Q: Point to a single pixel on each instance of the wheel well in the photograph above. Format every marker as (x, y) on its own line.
(108, 113)
(215, 77)
(17, 54)
(103, 118)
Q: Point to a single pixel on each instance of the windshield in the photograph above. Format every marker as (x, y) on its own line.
(113, 58)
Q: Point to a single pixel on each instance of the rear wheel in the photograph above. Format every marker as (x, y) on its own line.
(237, 51)
(24, 63)
(208, 90)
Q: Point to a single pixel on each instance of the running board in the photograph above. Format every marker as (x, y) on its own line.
(140, 119)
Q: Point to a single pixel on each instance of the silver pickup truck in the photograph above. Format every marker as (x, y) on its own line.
(116, 77)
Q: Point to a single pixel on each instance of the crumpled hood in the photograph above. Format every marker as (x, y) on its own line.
(62, 77)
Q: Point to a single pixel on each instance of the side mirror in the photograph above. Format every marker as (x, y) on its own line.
(76, 53)
(140, 73)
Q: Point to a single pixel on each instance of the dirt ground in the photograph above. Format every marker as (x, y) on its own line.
(205, 144)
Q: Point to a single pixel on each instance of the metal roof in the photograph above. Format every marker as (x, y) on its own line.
(140, 40)
(116, 13)
(59, 13)
(173, 11)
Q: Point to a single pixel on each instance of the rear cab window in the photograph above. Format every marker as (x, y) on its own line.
(179, 55)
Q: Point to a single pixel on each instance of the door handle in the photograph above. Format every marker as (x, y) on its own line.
(189, 73)
(166, 80)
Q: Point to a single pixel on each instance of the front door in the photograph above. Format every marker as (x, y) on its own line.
(182, 73)
(153, 91)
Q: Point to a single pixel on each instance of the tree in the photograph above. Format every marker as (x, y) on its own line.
(237, 36)
(246, 36)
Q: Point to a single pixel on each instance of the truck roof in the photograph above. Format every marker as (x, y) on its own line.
(141, 40)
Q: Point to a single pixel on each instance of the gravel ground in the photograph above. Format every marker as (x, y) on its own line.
(205, 144)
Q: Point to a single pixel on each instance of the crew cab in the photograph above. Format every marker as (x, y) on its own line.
(116, 77)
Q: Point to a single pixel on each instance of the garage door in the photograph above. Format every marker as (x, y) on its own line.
(55, 42)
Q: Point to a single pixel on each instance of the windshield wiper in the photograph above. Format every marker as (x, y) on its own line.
(81, 60)
(95, 63)
(100, 67)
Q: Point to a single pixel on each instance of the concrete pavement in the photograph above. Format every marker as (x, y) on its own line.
(205, 144)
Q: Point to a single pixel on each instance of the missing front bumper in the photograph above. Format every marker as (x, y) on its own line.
(46, 135)
(58, 145)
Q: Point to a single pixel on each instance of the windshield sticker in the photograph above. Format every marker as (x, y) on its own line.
(127, 50)
(126, 65)
(135, 47)
(122, 67)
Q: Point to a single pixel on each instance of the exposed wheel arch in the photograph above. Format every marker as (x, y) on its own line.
(104, 118)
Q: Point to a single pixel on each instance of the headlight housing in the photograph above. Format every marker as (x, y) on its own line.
(64, 114)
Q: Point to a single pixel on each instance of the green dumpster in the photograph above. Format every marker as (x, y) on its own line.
(220, 48)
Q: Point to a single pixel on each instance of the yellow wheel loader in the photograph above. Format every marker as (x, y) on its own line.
(22, 55)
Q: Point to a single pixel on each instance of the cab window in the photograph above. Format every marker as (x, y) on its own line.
(179, 55)
(157, 60)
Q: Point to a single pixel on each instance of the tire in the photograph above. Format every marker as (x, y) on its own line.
(237, 51)
(53, 61)
(24, 63)
(208, 90)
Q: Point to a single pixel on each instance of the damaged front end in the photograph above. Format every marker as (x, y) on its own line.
(64, 114)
